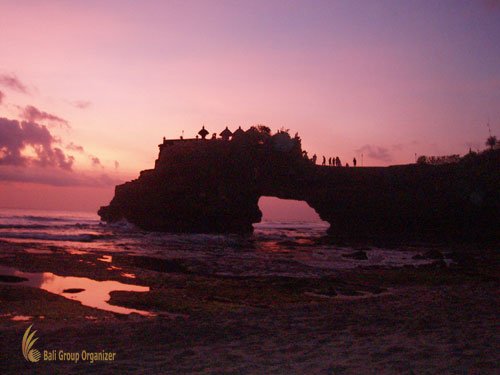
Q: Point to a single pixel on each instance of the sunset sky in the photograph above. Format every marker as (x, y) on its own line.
(99, 83)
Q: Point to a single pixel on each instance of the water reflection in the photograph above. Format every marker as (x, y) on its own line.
(106, 258)
(21, 318)
(95, 293)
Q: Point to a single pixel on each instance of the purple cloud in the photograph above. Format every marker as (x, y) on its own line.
(2, 97)
(63, 161)
(45, 164)
(55, 177)
(16, 136)
(376, 152)
(12, 82)
(74, 147)
(33, 114)
(81, 104)
(95, 161)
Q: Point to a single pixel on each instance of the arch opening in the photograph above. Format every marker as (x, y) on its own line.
(289, 213)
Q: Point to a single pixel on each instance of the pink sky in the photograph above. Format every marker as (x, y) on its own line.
(387, 79)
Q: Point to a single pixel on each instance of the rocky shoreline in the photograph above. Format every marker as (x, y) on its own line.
(426, 319)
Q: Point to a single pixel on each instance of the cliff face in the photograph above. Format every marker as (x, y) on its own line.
(204, 186)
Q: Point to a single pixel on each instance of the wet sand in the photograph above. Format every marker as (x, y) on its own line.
(428, 319)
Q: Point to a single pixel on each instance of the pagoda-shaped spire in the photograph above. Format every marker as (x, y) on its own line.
(203, 132)
(238, 132)
(226, 133)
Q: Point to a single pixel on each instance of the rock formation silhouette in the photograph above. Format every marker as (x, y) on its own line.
(213, 186)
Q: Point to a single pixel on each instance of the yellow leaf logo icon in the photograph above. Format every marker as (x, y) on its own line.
(31, 355)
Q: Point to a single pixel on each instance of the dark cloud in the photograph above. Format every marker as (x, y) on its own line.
(74, 147)
(95, 161)
(12, 82)
(63, 161)
(29, 152)
(16, 137)
(55, 177)
(81, 104)
(376, 153)
(33, 114)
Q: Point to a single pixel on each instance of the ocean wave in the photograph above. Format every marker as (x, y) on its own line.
(44, 226)
(83, 237)
(38, 218)
(25, 226)
(121, 224)
(291, 225)
(15, 217)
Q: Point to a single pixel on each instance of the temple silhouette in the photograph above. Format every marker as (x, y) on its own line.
(212, 184)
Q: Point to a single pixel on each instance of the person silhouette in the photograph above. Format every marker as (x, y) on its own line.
(314, 159)
(324, 160)
(330, 161)
(354, 161)
(337, 162)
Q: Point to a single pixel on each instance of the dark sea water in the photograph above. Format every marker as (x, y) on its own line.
(275, 248)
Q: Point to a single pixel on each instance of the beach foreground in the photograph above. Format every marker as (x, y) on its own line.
(439, 317)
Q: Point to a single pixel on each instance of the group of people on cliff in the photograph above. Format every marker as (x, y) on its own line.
(332, 161)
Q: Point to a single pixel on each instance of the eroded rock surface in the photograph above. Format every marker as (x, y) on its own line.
(213, 186)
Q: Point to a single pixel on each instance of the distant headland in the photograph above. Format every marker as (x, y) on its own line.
(213, 184)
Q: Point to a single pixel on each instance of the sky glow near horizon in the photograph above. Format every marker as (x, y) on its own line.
(386, 79)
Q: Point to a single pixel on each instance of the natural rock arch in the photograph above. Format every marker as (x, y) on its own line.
(215, 185)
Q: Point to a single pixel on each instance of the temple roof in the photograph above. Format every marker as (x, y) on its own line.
(238, 132)
(226, 133)
(203, 132)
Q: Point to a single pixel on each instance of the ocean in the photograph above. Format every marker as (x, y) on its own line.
(293, 248)
(283, 298)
